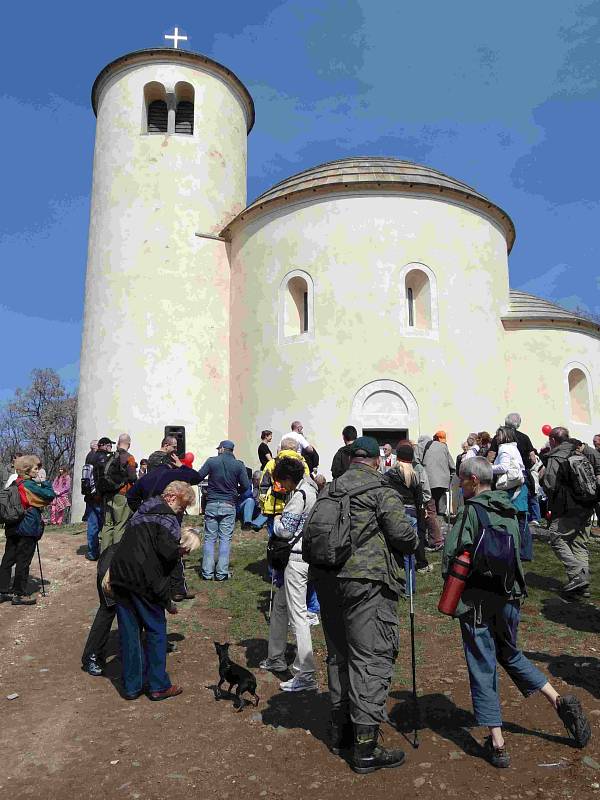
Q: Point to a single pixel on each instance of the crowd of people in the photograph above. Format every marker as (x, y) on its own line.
(401, 504)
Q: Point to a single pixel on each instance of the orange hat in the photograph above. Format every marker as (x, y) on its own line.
(440, 436)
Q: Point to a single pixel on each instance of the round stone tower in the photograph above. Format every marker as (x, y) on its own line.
(169, 174)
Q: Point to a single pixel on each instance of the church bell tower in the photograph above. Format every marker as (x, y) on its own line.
(169, 174)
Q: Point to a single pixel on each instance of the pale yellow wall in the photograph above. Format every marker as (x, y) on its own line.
(355, 247)
(155, 347)
(537, 365)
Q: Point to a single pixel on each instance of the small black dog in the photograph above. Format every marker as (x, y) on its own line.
(234, 675)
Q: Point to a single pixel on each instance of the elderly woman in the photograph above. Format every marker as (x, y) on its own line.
(489, 621)
(22, 537)
(508, 463)
(62, 489)
(140, 583)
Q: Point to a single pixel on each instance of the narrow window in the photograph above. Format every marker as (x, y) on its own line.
(418, 300)
(184, 113)
(305, 306)
(411, 307)
(579, 397)
(157, 117)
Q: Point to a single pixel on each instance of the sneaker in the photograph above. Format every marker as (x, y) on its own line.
(312, 618)
(22, 600)
(92, 666)
(434, 548)
(576, 584)
(425, 570)
(299, 684)
(273, 666)
(89, 557)
(571, 713)
(5, 597)
(172, 691)
(178, 598)
(497, 756)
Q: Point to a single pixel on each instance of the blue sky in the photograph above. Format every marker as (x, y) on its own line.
(504, 97)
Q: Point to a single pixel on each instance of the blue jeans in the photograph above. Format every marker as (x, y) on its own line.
(147, 665)
(312, 601)
(534, 508)
(488, 643)
(526, 538)
(94, 526)
(250, 513)
(219, 522)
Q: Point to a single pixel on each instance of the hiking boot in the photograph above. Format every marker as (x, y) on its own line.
(178, 598)
(92, 666)
(571, 713)
(497, 756)
(368, 756)
(273, 666)
(341, 732)
(23, 600)
(577, 583)
(5, 597)
(424, 570)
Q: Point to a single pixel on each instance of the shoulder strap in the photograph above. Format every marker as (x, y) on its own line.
(462, 524)
(426, 448)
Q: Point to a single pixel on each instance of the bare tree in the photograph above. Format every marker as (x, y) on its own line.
(41, 419)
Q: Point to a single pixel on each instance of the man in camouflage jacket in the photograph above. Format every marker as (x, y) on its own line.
(359, 611)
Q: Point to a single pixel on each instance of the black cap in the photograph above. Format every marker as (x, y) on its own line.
(105, 440)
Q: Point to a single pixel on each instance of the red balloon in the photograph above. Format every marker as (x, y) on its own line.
(188, 459)
(546, 429)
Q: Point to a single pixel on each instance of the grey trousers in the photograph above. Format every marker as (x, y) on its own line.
(569, 538)
(360, 623)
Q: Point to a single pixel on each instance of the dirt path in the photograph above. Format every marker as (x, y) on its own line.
(68, 735)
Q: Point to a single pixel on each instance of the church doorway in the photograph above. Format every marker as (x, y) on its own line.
(387, 436)
(386, 410)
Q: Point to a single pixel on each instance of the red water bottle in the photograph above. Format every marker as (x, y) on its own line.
(455, 583)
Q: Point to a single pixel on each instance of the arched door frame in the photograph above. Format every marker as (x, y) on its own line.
(410, 421)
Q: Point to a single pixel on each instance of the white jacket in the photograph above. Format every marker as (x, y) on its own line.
(507, 454)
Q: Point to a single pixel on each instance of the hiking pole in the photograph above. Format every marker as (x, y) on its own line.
(37, 544)
(271, 595)
(415, 743)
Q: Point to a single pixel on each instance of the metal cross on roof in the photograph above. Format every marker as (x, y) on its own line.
(176, 37)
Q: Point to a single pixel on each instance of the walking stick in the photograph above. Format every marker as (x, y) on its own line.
(37, 544)
(271, 596)
(415, 743)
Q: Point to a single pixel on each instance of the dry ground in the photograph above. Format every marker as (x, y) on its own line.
(68, 735)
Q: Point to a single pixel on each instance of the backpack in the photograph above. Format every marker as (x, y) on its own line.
(88, 480)
(278, 549)
(11, 508)
(111, 473)
(581, 479)
(326, 539)
(494, 556)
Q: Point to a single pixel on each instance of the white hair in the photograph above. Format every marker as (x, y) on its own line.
(479, 468)
(513, 420)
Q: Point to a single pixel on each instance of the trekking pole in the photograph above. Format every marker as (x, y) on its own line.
(415, 743)
(271, 595)
(37, 544)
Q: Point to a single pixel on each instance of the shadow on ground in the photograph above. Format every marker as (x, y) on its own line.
(579, 616)
(442, 716)
(582, 671)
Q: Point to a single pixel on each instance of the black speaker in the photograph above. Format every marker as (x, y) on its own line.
(178, 432)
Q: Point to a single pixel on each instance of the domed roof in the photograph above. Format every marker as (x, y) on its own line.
(529, 309)
(360, 173)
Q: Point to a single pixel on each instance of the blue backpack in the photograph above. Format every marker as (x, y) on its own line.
(494, 557)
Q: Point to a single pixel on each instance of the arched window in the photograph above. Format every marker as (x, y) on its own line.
(156, 117)
(579, 396)
(296, 306)
(184, 113)
(418, 300)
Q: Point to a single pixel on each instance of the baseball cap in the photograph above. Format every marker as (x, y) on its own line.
(226, 444)
(105, 440)
(365, 444)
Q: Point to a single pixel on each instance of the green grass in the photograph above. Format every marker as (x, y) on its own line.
(244, 600)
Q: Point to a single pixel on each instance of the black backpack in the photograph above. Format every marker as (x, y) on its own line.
(326, 540)
(11, 508)
(111, 474)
